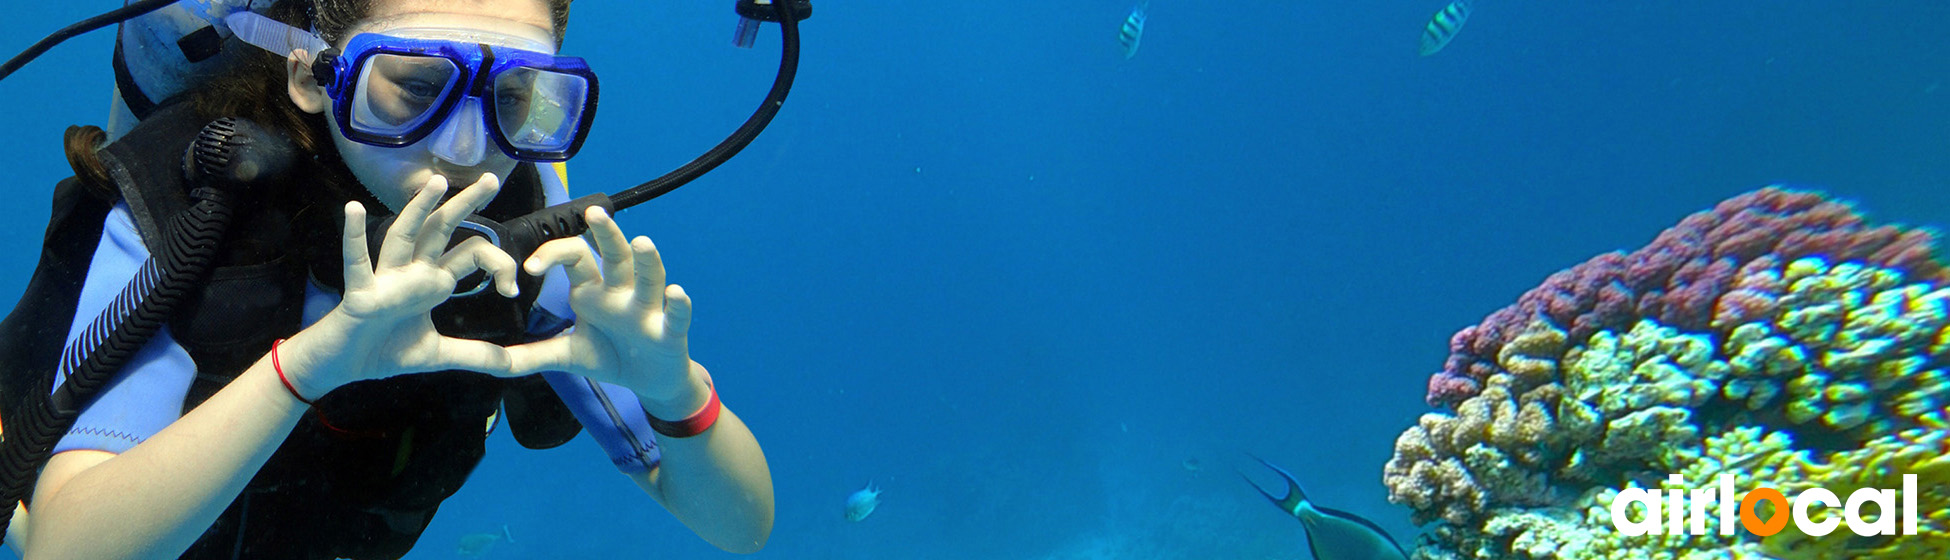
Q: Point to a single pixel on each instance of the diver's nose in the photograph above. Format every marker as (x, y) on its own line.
(461, 140)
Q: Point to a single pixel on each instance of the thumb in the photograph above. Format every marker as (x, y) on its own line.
(553, 354)
(470, 355)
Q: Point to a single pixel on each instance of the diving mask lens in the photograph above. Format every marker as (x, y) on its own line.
(539, 110)
(397, 94)
(395, 91)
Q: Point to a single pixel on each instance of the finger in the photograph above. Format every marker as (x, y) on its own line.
(649, 273)
(553, 354)
(440, 226)
(572, 254)
(678, 312)
(477, 254)
(612, 246)
(397, 248)
(472, 355)
(358, 265)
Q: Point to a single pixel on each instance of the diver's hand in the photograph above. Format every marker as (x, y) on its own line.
(382, 327)
(631, 329)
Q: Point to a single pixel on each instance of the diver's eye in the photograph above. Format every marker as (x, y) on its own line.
(420, 88)
(511, 100)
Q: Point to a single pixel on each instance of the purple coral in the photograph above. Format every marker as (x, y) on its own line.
(1445, 387)
(1708, 272)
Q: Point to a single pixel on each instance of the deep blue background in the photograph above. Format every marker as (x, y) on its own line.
(1024, 284)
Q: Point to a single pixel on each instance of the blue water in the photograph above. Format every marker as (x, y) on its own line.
(1022, 283)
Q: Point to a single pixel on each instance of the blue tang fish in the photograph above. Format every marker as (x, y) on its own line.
(1133, 29)
(1443, 27)
(1331, 534)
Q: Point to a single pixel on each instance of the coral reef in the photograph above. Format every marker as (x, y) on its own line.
(1777, 338)
(1681, 277)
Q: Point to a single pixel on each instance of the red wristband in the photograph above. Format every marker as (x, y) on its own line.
(696, 424)
(278, 367)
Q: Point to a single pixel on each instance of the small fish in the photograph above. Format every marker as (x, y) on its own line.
(1331, 534)
(1133, 29)
(478, 544)
(861, 503)
(1443, 27)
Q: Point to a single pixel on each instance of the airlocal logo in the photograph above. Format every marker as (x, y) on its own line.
(1680, 519)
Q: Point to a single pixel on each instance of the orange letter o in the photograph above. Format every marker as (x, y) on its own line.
(1751, 520)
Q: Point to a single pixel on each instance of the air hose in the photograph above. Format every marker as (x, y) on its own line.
(228, 156)
(521, 236)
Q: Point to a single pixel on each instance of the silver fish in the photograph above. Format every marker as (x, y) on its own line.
(1444, 25)
(1331, 534)
(477, 545)
(1128, 37)
(861, 503)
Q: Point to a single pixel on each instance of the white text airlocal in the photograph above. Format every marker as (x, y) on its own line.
(1679, 519)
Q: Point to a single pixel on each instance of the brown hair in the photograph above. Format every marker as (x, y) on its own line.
(80, 143)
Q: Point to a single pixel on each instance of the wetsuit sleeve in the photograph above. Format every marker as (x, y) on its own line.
(611, 413)
(614, 418)
(148, 393)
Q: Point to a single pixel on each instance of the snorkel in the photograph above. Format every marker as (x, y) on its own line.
(522, 235)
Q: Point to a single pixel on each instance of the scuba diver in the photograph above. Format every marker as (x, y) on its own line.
(299, 351)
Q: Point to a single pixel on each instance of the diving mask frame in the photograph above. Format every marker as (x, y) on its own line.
(477, 68)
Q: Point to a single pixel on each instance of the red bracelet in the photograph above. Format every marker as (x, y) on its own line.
(696, 424)
(278, 367)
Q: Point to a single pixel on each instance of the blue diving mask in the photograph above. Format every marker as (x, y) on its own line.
(394, 90)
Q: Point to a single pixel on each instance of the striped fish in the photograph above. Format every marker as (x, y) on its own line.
(1133, 29)
(1444, 26)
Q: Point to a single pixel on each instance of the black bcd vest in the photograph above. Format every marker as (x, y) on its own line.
(364, 471)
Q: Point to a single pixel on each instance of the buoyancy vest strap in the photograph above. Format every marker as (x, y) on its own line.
(132, 163)
(168, 279)
(114, 337)
(29, 349)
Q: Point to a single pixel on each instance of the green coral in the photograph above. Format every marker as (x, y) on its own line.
(1650, 365)
(1874, 340)
(1923, 451)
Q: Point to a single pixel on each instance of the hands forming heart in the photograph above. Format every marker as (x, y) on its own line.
(630, 326)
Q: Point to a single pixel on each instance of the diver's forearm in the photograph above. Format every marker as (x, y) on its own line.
(157, 498)
(717, 483)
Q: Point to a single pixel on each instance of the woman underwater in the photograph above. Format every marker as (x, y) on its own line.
(321, 398)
